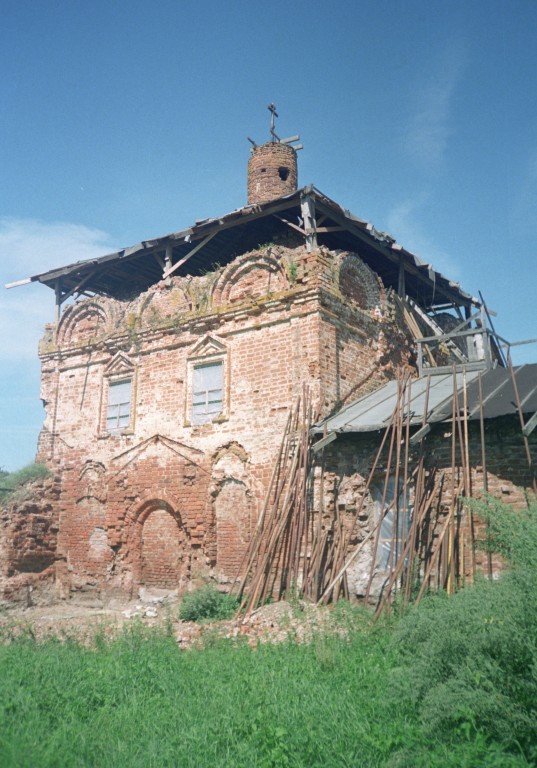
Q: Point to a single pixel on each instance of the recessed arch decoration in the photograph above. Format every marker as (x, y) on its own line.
(164, 305)
(250, 276)
(160, 546)
(234, 498)
(82, 324)
(360, 285)
(92, 481)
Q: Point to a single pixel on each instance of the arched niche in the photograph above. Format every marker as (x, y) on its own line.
(92, 481)
(360, 285)
(82, 324)
(234, 507)
(161, 547)
(164, 304)
(248, 277)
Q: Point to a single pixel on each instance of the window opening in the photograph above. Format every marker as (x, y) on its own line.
(207, 392)
(283, 173)
(395, 523)
(118, 412)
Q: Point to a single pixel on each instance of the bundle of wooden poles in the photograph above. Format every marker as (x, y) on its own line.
(275, 564)
(299, 549)
(432, 542)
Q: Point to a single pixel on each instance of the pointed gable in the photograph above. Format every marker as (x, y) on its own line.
(118, 365)
(209, 346)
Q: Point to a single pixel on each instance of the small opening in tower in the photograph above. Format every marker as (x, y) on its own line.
(283, 173)
(263, 170)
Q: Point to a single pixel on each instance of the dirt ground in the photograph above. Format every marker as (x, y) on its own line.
(82, 621)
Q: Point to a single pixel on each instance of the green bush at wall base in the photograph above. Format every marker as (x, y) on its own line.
(207, 603)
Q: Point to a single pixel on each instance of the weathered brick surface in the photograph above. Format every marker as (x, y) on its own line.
(163, 500)
(348, 462)
(272, 172)
(28, 542)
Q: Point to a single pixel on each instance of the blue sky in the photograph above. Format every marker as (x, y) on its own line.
(123, 121)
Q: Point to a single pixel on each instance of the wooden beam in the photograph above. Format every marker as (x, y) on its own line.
(159, 261)
(386, 250)
(191, 253)
(79, 285)
(401, 280)
(530, 425)
(289, 224)
(420, 434)
(323, 442)
(168, 259)
(307, 207)
(58, 293)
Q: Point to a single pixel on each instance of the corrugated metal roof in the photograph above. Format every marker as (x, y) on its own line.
(373, 412)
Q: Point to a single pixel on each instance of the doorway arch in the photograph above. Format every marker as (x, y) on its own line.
(162, 546)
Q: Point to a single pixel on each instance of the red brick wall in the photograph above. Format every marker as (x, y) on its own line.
(28, 542)
(277, 318)
(272, 172)
(164, 556)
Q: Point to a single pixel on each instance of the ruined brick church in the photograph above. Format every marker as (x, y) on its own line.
(169, 373)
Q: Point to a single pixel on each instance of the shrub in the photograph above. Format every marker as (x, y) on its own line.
(12, 481)
(207, 603)
(469, 661)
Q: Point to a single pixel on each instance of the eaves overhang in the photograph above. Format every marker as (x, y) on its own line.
(214, 242)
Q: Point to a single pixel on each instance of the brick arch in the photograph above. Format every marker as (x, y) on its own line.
(82, 324)
(159, 545)
(92, 480)
(164, 304)
(248, 276)
(234, 496)
(360, 285)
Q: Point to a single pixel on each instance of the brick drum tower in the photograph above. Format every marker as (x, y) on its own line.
(272, 172)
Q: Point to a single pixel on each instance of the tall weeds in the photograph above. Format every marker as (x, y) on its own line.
(469, 661)
(452, 683)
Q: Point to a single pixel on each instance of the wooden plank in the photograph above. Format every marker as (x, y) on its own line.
(530, 425)
(191, 253)
(323, 442)
(18, 282)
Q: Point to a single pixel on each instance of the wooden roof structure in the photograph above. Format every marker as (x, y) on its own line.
(217, 241)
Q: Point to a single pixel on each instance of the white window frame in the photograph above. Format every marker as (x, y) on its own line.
(109, 382)
(206, 358)
(206, 397)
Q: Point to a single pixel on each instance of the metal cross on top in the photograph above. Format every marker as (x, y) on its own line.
(272, 109)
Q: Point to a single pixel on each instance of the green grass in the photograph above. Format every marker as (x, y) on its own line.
(452, 683)
(139, 701)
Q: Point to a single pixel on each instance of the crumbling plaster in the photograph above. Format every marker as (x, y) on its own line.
(279, 318)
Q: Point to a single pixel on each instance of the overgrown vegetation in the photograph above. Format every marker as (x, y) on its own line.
(10, 482)
(469, 662)
(207, 603)
(452, 682)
